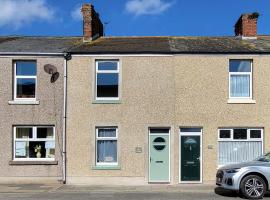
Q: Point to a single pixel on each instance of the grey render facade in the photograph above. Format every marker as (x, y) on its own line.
(62, 118)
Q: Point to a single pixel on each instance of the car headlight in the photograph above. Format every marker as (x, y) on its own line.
(232, 171)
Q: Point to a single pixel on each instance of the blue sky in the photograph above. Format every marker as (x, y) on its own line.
(131, 17)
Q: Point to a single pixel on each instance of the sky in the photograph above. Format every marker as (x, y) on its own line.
(131, 17)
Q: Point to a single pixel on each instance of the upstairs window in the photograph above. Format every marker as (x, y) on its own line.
(240, 79)
(25, 78)
(107, 80)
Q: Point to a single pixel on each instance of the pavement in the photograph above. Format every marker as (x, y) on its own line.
(149, 192)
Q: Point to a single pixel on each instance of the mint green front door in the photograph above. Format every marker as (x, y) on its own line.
(159, 157)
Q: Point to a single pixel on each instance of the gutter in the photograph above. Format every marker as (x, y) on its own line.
(30, 54)
(67, 57)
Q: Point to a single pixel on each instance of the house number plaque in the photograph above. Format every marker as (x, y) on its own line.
(138, 149)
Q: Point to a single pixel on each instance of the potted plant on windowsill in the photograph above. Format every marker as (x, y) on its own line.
(38, 151)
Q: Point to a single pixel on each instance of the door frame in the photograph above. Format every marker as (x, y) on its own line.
(149, 133)
(201, 153)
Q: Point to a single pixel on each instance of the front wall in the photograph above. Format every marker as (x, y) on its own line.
(170, 91)
(48, 112)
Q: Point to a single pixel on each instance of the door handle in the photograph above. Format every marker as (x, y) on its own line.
(150, 159)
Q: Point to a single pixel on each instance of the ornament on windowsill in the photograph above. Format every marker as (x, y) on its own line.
(38, 151)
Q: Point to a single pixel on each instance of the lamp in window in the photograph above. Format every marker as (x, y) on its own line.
(38, 151)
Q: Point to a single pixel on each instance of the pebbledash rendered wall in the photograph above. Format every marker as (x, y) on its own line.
(158, 91)
(48, 112)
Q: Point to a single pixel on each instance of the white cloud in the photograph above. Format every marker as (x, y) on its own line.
(76, 13)
(147, 7)
(16, 13)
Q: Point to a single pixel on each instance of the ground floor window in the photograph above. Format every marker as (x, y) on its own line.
(106, 146)
(34, 143)
(239, 144)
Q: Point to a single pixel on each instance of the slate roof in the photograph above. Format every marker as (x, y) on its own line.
(22, 44)
(135, 45)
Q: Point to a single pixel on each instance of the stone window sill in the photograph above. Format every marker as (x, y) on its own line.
(17, 102)
(241, 101)
(33, 162)
(106, 167)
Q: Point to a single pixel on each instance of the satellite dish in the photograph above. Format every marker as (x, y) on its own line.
(54, 77)
(50, 69)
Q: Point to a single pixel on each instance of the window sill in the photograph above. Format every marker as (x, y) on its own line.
(18, 102)
(108, 167)
(241, 101)
(33, 162)
(106, 102)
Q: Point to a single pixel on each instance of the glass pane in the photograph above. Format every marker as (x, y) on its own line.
(21, 149)
(24, 133)
(107, 85)
(107, 132)
(224, 134)
(26, 88)
(190, 129)
(42, 149)
(240, 66)
(106, 151)
(240, 85)
(240, 134)
(45, 132)
(26, 68)
(159, 130)
(235, 152)
(255, 134)
(110, 65)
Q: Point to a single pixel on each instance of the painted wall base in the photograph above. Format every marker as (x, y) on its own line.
(107, 181)
(30, 180)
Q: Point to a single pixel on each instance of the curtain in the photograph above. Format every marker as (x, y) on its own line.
(234, 152)
(240, 85)
(106, 151)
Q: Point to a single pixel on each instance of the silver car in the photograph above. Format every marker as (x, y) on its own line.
(252, 178)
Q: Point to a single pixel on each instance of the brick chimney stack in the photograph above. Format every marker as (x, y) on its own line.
(246, 26)
(92, 25)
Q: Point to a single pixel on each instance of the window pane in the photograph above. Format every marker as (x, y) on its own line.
(255, 134)
(24, 132)
(190, 129)
(41, 149)
(240, 85)
(240, 134)
(107, 85)
(240, 66)
(224, 134)
(106, 151)
(235, 152)
(159, 130)
(26, 68)
(45, 132)
(26, 88)
(107, 132)
(107, 65)
(21, 149)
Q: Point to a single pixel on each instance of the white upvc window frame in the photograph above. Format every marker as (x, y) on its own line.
(242, 73)
(107, 138)
(23, 77)
(240, 140)
(33, 139)
(117, 71)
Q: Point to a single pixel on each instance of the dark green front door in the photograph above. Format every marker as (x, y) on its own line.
(190, 158)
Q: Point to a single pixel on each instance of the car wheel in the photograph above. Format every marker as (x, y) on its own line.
(253, 187)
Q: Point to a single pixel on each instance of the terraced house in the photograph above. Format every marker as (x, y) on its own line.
(133, 110)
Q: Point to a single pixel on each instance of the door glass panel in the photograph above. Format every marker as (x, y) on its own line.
(159, 143)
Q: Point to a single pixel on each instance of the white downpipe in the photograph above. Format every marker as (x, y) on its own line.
(64, 122)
